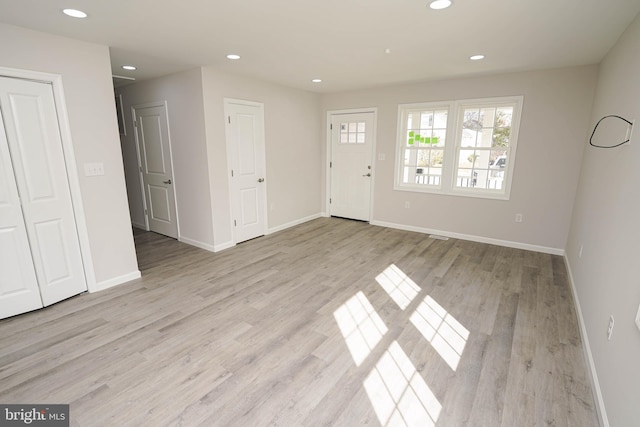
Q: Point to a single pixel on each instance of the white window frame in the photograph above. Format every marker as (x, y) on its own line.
(455, 118)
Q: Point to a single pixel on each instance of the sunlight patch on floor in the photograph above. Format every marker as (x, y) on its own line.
(399, 395)
(361, 327)
(397, 391)
(398, 285)
(447, 336)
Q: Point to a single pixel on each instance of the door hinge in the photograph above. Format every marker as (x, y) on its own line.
(140, 167)
(229, 118)
(235, 224)
(330, 164)
(145, 212)
(331, 126)
(232, 173)
(329, 200)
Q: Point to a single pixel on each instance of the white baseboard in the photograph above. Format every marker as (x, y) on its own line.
(139, 225)
(480, 239)
(197, 244)
(106, 284)
(223, 246)
(586, 347)
(230, 244)
(293, 223)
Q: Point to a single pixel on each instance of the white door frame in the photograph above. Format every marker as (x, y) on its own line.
(69, 158)
(137, 144)
(330, 113)
(232, 196)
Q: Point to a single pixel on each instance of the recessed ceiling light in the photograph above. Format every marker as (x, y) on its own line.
(233, 56)
(74, 13)
(476, 57)
(316, 81)
(387, 50)
(440, 4)
(129, 67)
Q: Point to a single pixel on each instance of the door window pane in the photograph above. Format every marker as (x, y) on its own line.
(353, 133)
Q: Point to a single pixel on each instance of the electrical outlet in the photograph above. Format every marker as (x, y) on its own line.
(518, 217)
(610, 328)
(407, 205)
(382, 156)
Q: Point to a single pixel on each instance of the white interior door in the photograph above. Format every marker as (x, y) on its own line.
(246, 148)
(19, 291)
(152, 136)
(35, 148)
(351, 165)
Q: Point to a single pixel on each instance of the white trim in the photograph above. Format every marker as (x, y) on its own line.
(140, 179)
(106, 284)
(223, 246)
(586, 348)
(197, 244)
(120, 111)
(69, 157)
(139, 225)
(472, 238)
(243, 102)
(330, 113)
(230, 244)
(293, 223)
(206, 246)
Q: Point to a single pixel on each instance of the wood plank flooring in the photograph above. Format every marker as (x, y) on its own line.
(297, 329)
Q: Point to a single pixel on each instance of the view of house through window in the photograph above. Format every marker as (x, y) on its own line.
(424, 141)
(458, 147)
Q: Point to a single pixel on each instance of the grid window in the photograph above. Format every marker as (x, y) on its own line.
(424, 142)
(484, 147)
(352, 133)
(458, 147)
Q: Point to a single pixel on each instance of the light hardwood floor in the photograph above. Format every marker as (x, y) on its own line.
(294, 329)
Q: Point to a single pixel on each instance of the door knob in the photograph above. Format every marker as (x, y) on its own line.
(369, 174)
(260, 179)
(167, 181)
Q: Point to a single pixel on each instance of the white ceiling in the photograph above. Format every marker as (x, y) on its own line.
(342, 42)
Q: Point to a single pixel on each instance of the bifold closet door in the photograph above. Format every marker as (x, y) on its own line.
(36, 158)
(18, 284)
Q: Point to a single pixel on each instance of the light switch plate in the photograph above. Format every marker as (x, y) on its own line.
(638, 318)
(93, 169)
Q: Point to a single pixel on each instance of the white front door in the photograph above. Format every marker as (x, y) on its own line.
(246, 148)
(33, 150)
(152, 137)
(351, 165)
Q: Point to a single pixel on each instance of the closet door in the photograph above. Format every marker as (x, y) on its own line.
(18, 284)
(33, 138)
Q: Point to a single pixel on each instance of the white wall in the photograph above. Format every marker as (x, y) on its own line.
(555, 117)
(293, 149)
(86, 76)
(183, 93)
(606, 224)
